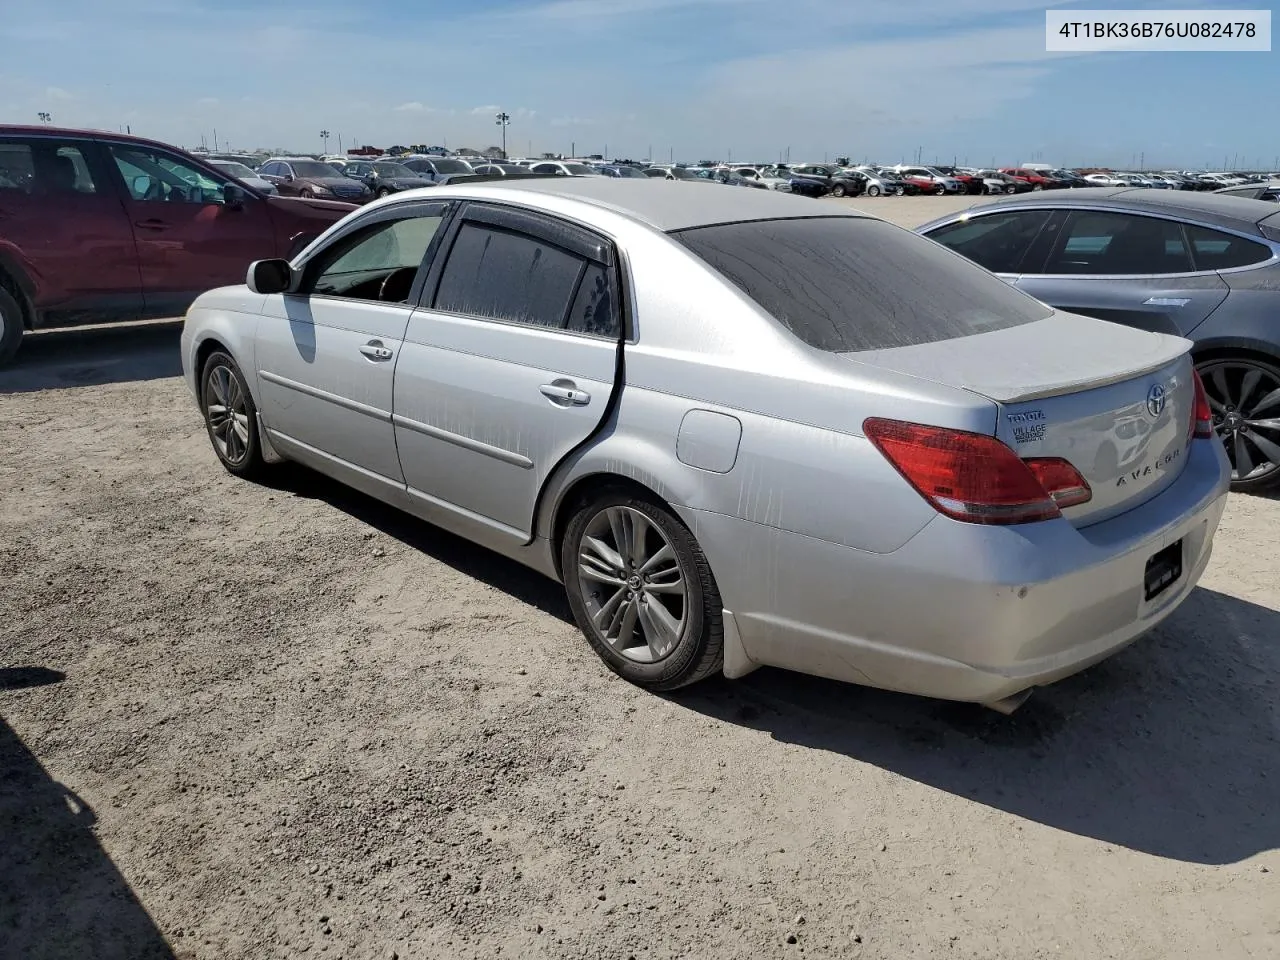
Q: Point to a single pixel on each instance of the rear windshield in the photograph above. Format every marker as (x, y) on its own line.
(845, 284)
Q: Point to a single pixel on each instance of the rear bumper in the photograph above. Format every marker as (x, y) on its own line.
(963, 612)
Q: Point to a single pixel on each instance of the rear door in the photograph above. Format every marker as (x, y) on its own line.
(1126, 268)
(188, 239)
(62, 222)
(509, 365)
(325, 355)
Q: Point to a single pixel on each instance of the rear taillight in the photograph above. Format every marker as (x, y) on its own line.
(1201, 415)
(974, 477)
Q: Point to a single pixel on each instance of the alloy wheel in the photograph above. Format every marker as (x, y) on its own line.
(227, 414)
(1244, 397)
(633, 585)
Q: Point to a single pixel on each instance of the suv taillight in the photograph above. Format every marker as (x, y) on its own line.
(974, 477)
(1201, 414)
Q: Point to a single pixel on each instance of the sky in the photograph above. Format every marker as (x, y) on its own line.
(964, 81)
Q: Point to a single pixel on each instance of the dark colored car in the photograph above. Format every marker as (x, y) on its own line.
(621, 170)
(1196, 265)
(805, 186)
(838, 183)
(435, 168)
(501, 169)
(384, 177)
(96, 227)
(313, 180)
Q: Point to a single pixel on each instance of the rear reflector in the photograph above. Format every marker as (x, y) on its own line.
(974, 477)
(1201, 415)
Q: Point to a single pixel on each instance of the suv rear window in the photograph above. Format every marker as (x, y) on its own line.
(844, 284)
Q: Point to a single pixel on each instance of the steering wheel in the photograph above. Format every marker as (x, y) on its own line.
(397, 284)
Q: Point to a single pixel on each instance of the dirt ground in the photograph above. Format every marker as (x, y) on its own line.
(283, 721)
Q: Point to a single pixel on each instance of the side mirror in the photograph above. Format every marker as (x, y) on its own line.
(269, 276)
(233, 196)
(142, 185)
(289, 178)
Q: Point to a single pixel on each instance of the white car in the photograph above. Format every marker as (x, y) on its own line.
(1108, 180)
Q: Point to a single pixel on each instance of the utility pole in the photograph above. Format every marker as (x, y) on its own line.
(215, 139)
(671, 154)
(503, 119)
(45, 117)
(324, 136)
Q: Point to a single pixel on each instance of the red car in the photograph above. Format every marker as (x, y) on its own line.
(97, 227)
(1037, 180)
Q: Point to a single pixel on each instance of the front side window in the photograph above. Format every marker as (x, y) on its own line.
(155, 176)
(997, 241)
(1119, 244)
(845, 284)
(378, 263)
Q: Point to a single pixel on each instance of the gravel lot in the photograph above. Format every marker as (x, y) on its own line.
(255, 722)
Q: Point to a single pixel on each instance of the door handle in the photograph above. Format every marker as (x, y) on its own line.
(374, 350)
(1166, 302)
(565, 393)
(151, 224)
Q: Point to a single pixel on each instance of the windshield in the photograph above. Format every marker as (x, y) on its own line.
(681, 174)
(234, 169)
(628, 172)
(451, 166)
(392, 170)
(313, 168)
(579, 169)
(845, 284)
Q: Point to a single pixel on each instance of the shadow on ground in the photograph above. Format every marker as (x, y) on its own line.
(1171, 748)
(60, 894)
(90, 356)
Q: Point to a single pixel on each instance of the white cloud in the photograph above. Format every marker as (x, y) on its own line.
(412, 106)
(572, 122)
(490, 109)
(57, 93)
(208, 102)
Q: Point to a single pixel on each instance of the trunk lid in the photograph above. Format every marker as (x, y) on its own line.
(1113, 401)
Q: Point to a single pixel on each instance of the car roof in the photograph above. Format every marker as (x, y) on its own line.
(1236, 213)
(663, 205)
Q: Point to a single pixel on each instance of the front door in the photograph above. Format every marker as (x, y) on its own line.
(325, 355)
(996, 240)
(61, 213)
(1127, 268)
(189, 240)
(508, 367)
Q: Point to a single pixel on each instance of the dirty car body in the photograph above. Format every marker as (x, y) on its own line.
(864, 457)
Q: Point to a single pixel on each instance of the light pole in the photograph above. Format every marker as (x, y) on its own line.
(45, 117)
(324, 135)
(503, 120)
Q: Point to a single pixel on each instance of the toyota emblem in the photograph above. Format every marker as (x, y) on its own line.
(1155, 400)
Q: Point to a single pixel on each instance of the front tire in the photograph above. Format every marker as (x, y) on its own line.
(838, 190)
(307, 195)
(873, 191)
(939, 191)
(642, 592)
(231, 417)
(384, 192)
(1244, 396)
(11, 326)
(1010, 190)
(1038, 186)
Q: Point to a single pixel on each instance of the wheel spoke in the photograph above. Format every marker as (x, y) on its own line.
(240, 422)
(663, 558)
(661, 630)
(1248, 385)
(1269, 449)
(1219, 378)
(1270, 401)
(1271, 424)
(627, 623)
(217, 385)
(1216, 405)
(605, 617)
(601, 559)
(621, 536)
(1244, 464)
(638, 534)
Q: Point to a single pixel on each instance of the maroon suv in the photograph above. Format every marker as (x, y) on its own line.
(97, 227)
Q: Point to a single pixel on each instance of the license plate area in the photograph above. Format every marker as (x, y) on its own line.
(1164, 569)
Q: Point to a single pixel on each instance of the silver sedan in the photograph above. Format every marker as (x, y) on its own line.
(738, 429)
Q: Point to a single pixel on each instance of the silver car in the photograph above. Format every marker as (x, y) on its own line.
(739, 433)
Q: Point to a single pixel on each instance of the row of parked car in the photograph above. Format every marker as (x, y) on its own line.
(311, 177)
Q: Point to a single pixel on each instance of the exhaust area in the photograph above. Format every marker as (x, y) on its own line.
(1010, 703)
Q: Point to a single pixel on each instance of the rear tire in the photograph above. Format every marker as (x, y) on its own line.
(873, 191)
(1038, 186)
(11, 326)
(939, 191)
(231, 417)
(384, 192)
(1010, 190)
(838, 190)
(642, 592)
(1240, 388)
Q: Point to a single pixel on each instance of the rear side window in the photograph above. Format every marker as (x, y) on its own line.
(502, 275)
(1222, 251)
(845, 284)
(1119, 244)
(44, 167)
